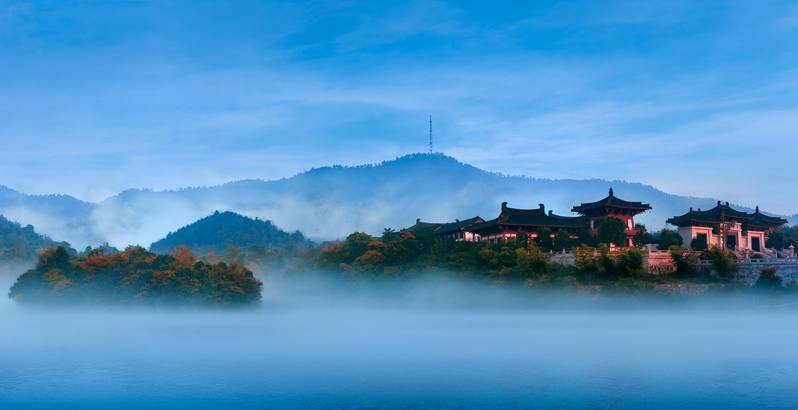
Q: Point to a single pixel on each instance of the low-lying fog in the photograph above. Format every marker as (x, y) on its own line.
(424, 346)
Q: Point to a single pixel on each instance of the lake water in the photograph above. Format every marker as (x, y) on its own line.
(398, 355)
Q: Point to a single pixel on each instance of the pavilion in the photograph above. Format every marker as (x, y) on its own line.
(612, 207)
(724, 226)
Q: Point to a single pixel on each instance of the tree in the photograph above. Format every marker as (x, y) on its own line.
(584, 258)
(684, 261)
(669, 238)
(184, 257)
(389, 234)
(612, 230)
(643, 237)
(630, 262)
(543, 239)
(531, 261)
(722, 260)
(563, 240)
(54, 258)
(776, 240)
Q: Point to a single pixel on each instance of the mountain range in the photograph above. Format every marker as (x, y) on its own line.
(330, 202)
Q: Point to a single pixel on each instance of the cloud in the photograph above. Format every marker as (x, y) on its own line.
(628, 91)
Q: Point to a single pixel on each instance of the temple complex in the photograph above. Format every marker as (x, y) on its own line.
(724, 226)
(513, 222)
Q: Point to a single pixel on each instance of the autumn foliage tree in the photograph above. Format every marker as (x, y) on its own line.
(135, 276)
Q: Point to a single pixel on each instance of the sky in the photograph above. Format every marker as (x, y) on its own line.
(696, 98)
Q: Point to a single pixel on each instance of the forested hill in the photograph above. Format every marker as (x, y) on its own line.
(21, 243)
(219, 232)
(330, 202)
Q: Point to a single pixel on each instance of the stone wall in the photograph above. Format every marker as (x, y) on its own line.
(748, 271)
(658, 262)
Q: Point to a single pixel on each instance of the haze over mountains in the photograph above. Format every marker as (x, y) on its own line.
(329, 202)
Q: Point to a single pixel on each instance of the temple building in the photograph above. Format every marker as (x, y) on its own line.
(724, 226)
(459, 230)
(513, 221)
(612, 207)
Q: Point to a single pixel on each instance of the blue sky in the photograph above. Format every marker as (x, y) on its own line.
(696, 98)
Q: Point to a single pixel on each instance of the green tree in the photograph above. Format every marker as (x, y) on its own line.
(531, 261)
(389, 234)
(563, 240)
(776, 240)
(669, 238)
(630, 262)
(54, 258)
(543, 239)
(643, 237)
(612, 230)
(685, 262)
(722, 260)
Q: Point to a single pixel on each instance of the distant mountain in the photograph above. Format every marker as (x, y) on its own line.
(330, 202)
(218, 232)
(21, 243)
(59, 216)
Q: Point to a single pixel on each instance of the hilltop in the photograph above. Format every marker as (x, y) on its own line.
(330, 202)
(22, 243)
(220, 231)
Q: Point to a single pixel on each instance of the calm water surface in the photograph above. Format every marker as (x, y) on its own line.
(356, 356)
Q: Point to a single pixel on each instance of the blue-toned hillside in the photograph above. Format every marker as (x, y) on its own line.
(219, 232)
(22, 243)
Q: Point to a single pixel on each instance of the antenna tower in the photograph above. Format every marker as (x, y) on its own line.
(430, 134)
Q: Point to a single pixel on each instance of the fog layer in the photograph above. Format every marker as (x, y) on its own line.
(326, 345)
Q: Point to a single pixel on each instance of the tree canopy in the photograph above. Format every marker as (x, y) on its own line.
(135, 276)
(612, 230)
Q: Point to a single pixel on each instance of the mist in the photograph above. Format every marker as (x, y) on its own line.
(320, 342)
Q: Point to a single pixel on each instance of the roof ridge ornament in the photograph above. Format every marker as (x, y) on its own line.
(611, 192)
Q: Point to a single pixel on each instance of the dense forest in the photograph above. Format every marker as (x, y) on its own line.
(21, 243)
(135, 276)
(533, 262)
(228, 236)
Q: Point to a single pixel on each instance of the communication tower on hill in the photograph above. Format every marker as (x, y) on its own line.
(430, 134)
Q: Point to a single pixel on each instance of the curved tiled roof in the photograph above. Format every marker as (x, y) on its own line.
(610, 201)
(531, 218)
(483, 226)
(539, 217)
(457, 225)
(726, 212)
(422, 225)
